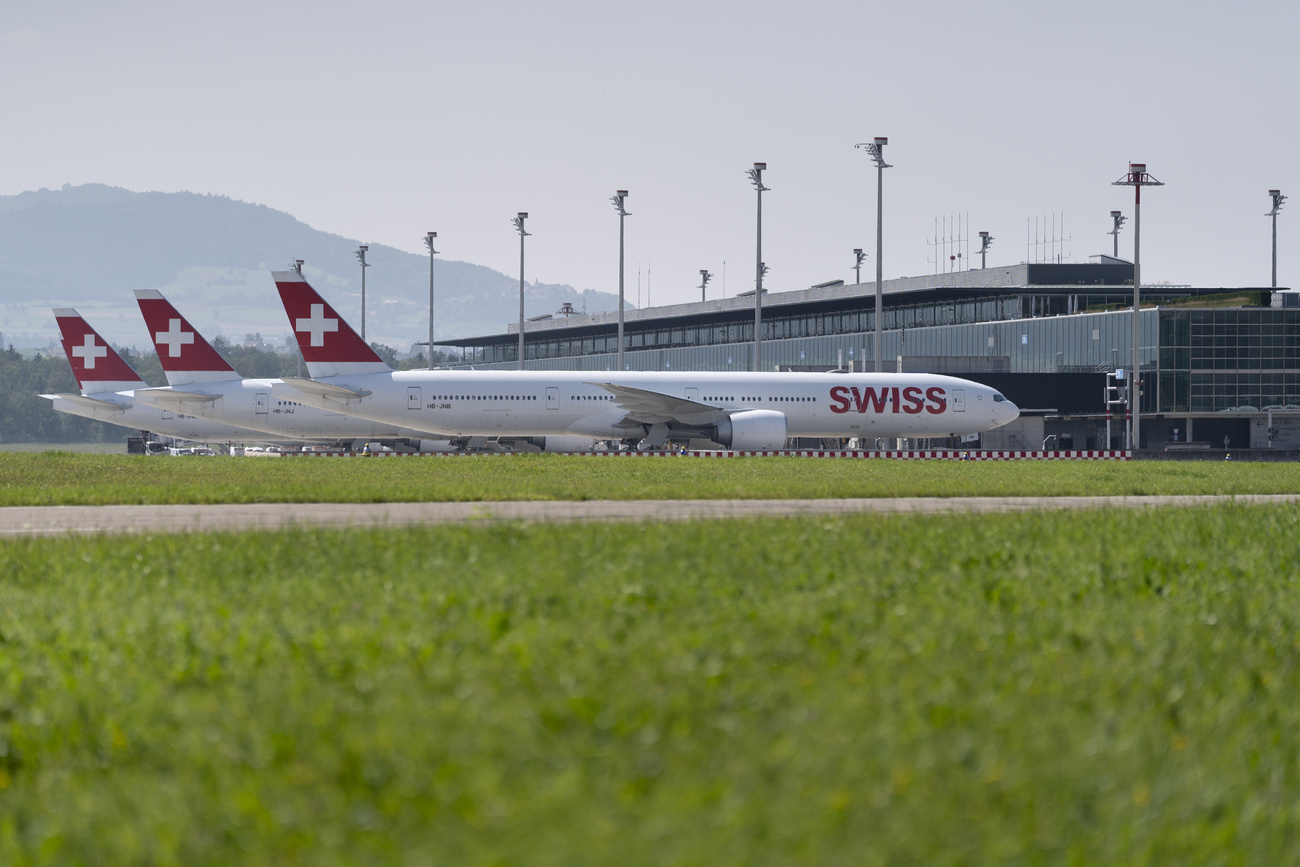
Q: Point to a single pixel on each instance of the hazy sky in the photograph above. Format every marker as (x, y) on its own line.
(381, 121)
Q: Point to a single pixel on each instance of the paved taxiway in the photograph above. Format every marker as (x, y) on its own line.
(54, 520)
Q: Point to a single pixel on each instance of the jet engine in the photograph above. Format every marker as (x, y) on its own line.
(556, 445)
(751, 430)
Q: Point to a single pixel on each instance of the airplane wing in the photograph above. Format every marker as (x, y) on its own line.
(324, 389)
(171, 398)
(652, 407)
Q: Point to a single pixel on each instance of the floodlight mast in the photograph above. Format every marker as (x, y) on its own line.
(986, 241)
(1119, 220)
(1278, 199)
(297, 266)
(519, 226)
(705, 277)
(361, 257)
(1137, 178)
(429, 239)
(876, 150)
(756, 178)
(858, 256)
(617, 199)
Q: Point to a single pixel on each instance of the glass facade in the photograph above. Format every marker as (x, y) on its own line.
(1235, 359)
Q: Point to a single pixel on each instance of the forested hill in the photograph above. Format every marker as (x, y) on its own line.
(95, 243)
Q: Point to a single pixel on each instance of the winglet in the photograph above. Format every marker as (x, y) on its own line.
(96, 365)
(328, 344)
(185, 356)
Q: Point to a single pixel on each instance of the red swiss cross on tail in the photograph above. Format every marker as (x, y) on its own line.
(96, 366)
(329, 345)
(185, 356)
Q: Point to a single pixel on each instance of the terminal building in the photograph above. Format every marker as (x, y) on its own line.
(1220, 367)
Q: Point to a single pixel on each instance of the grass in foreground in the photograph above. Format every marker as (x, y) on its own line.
(55, 478)
(1086, 688)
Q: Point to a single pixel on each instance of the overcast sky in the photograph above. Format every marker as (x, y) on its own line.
(382, 121)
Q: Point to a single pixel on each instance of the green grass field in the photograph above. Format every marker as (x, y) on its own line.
(55, 478)
(1085, 688)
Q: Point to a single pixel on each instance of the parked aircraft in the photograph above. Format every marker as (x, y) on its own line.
(743, 411)
(109, 385)
(204, 384)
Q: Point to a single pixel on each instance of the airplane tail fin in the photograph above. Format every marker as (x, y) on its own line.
(185, 356)
(329, 345)
(96, 365)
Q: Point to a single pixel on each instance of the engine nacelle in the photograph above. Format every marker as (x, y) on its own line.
(751, 430)
(557, 445)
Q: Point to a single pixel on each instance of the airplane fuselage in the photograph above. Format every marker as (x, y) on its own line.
(550, 403)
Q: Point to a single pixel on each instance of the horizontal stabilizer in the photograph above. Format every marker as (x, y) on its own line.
(169, 397)
(89, 402)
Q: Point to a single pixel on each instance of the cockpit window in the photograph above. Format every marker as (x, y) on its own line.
(997, 398)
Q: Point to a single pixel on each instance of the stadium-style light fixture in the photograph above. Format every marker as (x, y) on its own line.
(1119, 220)
(876, 150)
(518, 222)
(617, 199)
(858, 256)
(361, 257)
(1137, 178)
(756, 178)
(1278, 199)
(430, 238)
(705, 277)
(986, 241)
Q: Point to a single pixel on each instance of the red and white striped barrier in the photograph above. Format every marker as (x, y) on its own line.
(919, 455)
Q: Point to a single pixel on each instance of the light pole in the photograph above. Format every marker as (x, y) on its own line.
(1119, 220)
(519, 225)
(705, 277)
(876, 149)
(1137, 178)
(617, 199)
(986, 241)
(297, 266)
(1278, 199)
(429, 240)
(361, 257)
(858, 256)
(756, 178)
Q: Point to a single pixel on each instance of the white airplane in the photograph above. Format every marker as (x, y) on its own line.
(204, 384)
(742, 411)
(109, 385)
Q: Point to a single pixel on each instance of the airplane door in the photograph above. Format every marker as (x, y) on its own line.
(552, 398)
(260, 403)
(413, 397)
(693, 393)
(166, 414)
(959, 400)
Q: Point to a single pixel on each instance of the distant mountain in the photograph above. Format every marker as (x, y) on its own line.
(94, 244)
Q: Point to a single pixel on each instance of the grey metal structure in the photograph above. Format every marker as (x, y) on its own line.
(617, 199)
(876, 148)
(518, 222)
(986, 241)
(1137, 178)
(705, 277)
(1119, 219)
(361, 257)
(858, 256)
(429, 239)
(1278, 199)
(756, 178)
